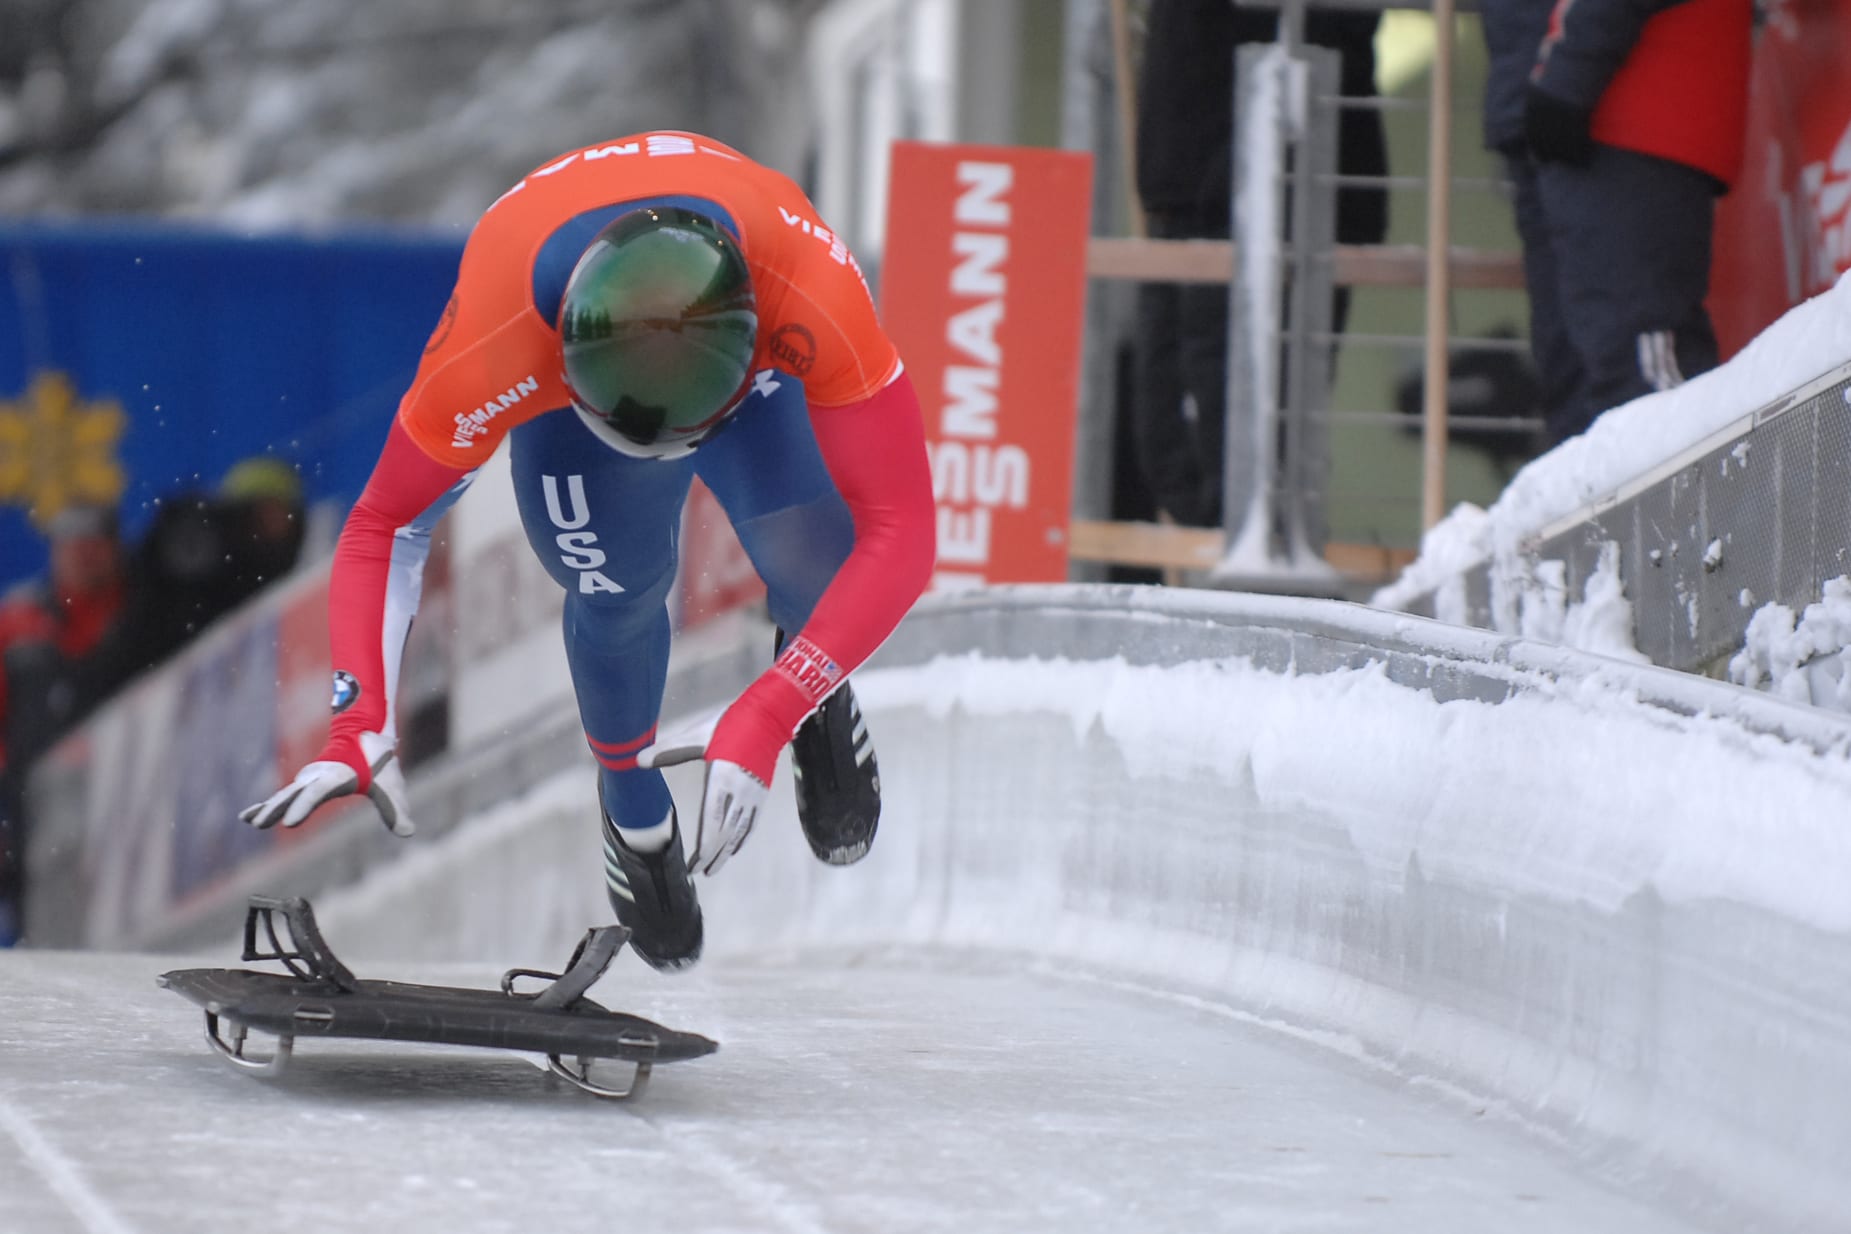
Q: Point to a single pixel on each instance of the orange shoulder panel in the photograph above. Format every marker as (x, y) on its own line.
(491, 363)
(816, 318)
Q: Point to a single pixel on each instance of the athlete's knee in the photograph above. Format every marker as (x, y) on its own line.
(600, 591)
(617, 624)
(582, 563)
(590, 579)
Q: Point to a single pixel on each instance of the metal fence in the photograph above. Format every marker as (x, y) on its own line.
(1758, 513)
(1280, 416)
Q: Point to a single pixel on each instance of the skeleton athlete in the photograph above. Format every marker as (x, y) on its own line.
(632, 315)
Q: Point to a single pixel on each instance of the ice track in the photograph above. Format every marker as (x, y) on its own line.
(1186, 914)
(888, 1092)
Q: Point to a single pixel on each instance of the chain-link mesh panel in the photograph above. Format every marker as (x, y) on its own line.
(1683, 552)
(1742, 533)
(1762, 518)
(1831, 538)
(1793, 441)
(1659, 617)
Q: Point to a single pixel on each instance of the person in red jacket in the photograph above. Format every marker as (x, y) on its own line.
(50, 634)
(632, 315)
(1621, 122)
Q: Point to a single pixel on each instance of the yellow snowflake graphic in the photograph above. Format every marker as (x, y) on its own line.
(56, 451)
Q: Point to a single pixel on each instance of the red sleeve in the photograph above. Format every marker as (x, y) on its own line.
(378, 571)
(875, 452)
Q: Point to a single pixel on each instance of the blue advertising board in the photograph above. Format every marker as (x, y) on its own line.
(142, 360)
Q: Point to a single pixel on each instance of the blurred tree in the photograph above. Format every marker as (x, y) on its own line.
(275, 114)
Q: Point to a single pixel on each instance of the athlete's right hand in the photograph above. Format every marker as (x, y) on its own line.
(345, 764)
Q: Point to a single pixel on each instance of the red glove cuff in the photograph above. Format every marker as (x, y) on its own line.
(345, 748)
(760, 723)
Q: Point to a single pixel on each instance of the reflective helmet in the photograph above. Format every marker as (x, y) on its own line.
(659, 325)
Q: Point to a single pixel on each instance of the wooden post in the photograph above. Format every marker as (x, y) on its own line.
(1125, 88)
(1439, 252)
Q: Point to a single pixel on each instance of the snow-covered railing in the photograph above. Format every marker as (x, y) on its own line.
(1692, 527)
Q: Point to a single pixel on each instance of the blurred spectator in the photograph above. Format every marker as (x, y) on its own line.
(261, 499)
(104, 614)
(49, 676)
(1620, 123)
(1493, 387)
(48, 628)
(205, 554)
(1185, 127)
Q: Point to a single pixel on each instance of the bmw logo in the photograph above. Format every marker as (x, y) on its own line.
(346, 690)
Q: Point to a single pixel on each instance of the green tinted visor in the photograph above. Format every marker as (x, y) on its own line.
(659, 327)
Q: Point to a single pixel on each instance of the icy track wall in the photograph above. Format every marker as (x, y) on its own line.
(1608, 900)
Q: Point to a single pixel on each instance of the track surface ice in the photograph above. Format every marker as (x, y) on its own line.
(886, 1092)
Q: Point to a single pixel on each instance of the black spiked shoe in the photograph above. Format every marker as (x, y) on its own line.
(838, 780)
(654, 898)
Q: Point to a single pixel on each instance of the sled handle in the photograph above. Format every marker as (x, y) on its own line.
(594, 954)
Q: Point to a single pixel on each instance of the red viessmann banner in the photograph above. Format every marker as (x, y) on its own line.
(981, 290)
(1783, 233)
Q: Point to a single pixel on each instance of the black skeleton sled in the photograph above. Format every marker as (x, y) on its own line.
(317, 996)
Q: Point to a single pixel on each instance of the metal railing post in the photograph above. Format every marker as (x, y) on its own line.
(1261, 76)
(1306, 458)
(1439, 272)
(1279, 303)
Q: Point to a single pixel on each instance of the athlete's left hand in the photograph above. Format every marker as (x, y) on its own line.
(729, 806)
(346, 764)
(730, 801)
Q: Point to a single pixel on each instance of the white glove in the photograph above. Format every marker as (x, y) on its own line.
(729, 804)
(729, 807)
(325, 779)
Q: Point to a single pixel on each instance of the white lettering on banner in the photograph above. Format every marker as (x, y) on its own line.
(473, 424)
(1823, 237)
(963, 536)
(988, 475)
(578, 550)
(970, 407)
(982, 204)
(971, 481)
(980, 273)
(974, 332)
